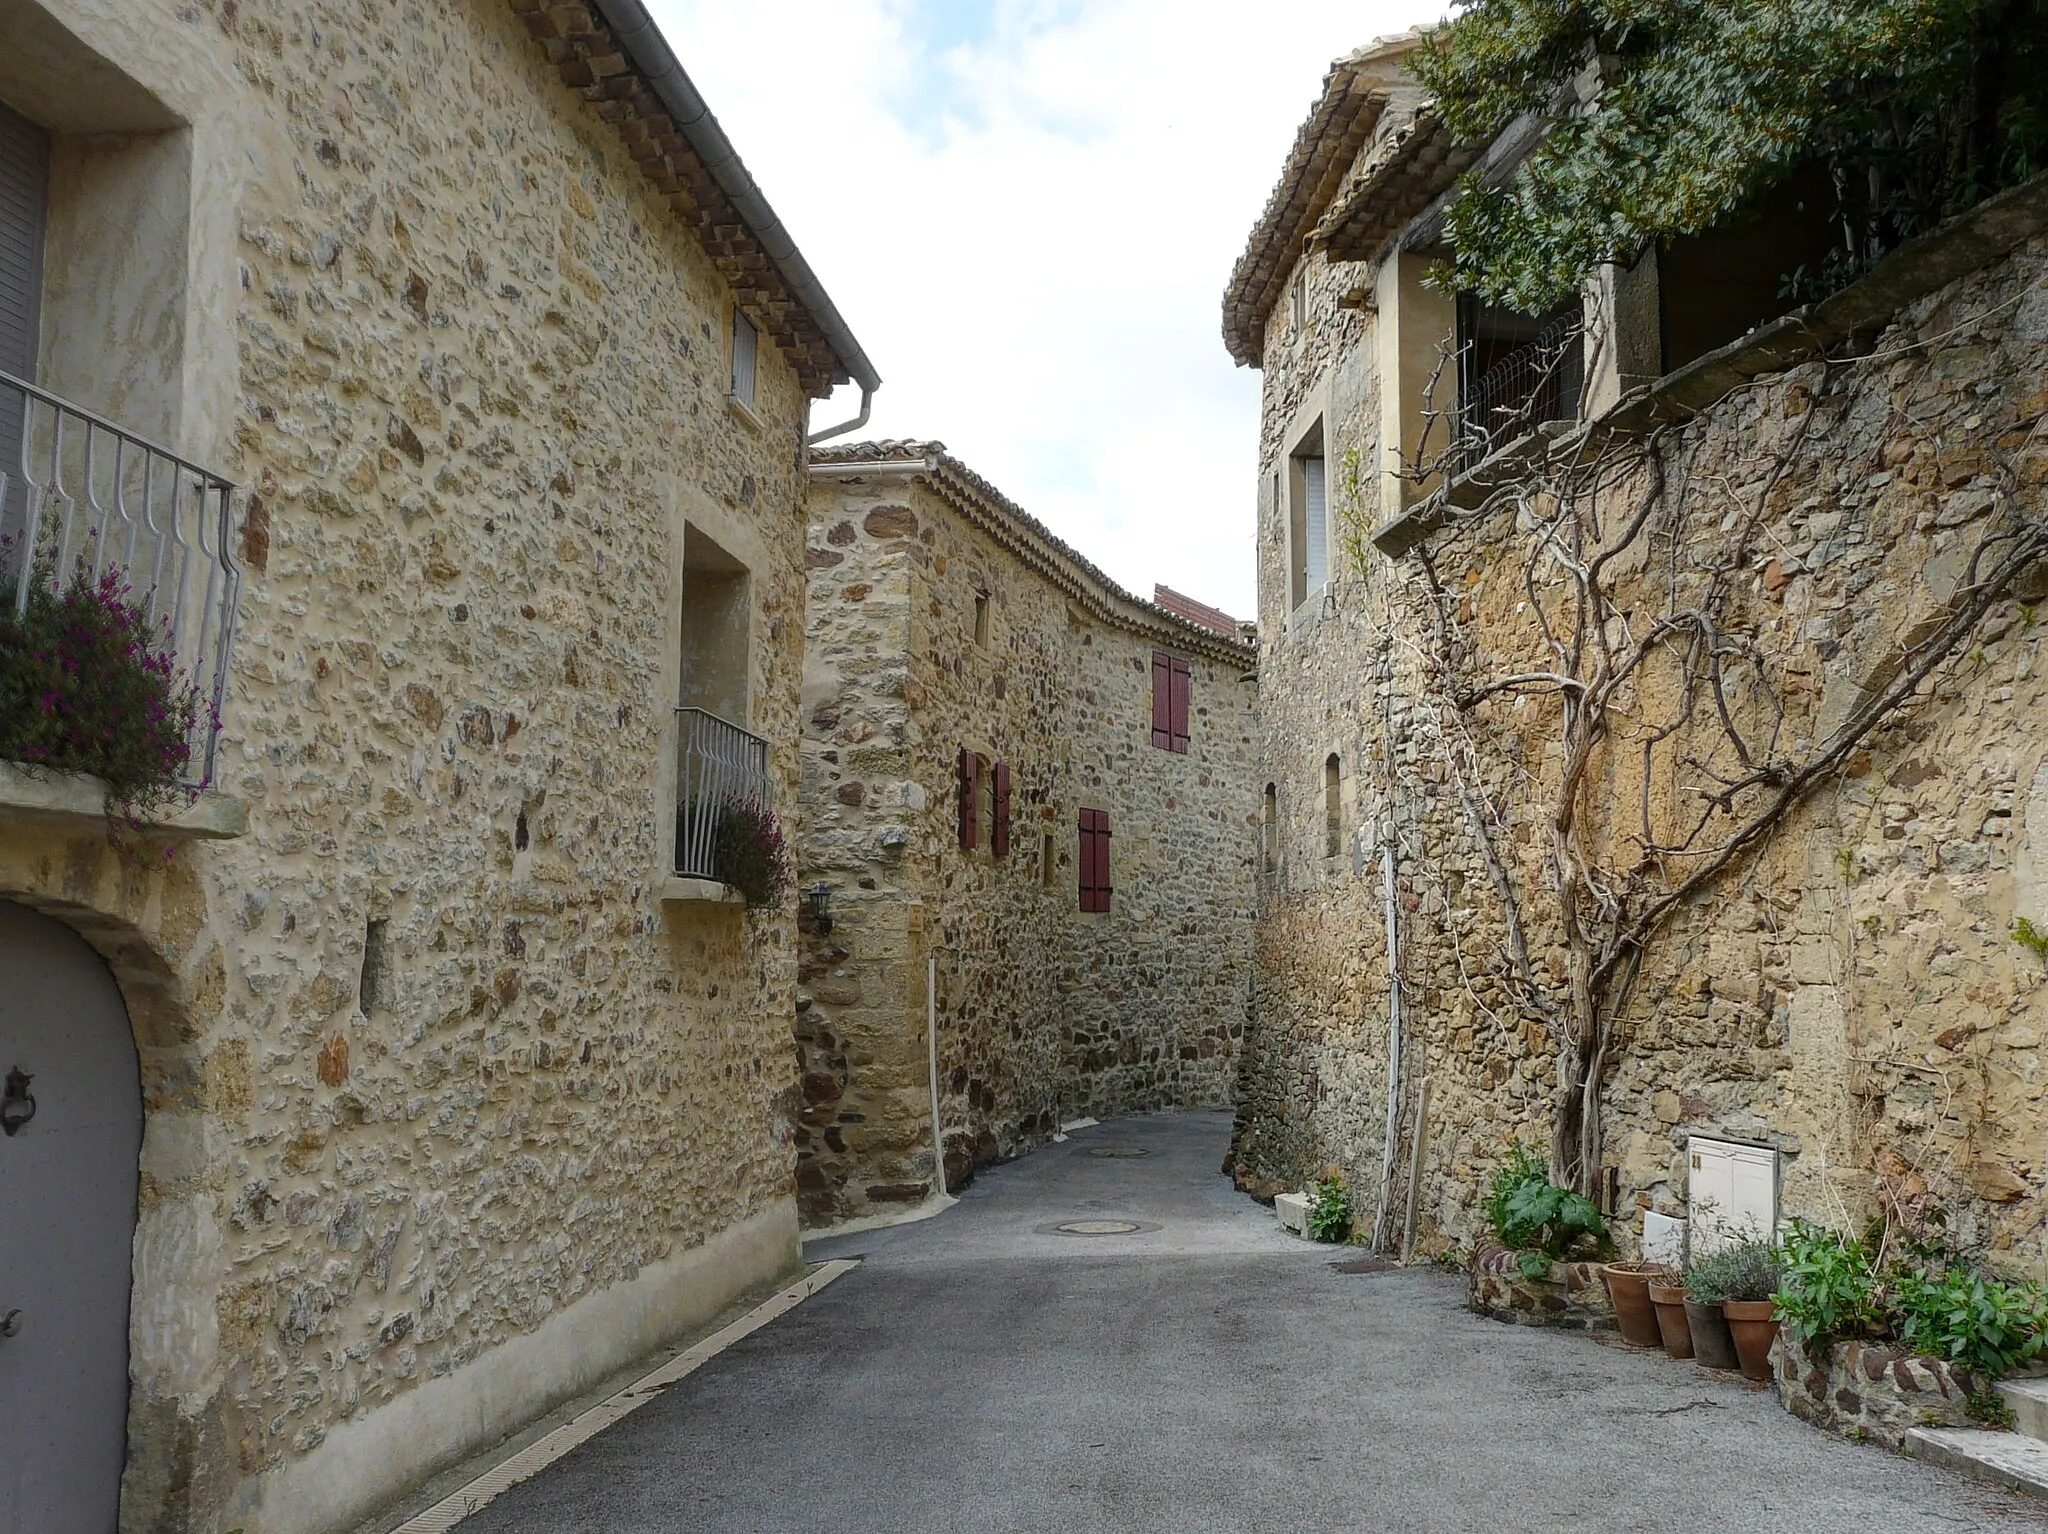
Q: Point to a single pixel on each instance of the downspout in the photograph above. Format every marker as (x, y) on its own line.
(1383, 1224)
(867, 397)
(931, 1039)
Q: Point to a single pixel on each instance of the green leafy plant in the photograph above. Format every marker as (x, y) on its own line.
(2031, 938)
(89, 683)
(1829, 1287)
(750, 854)
(1955, 1312)
(1531, 1215)
(1748, 1269)
(1667, 118)
(1329, 1212)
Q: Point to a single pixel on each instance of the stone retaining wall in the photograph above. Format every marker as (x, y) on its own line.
(1572, 1295)
(1871, 1392)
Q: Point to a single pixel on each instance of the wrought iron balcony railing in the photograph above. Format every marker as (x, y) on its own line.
(720, 769)
(1534, 384)
(79, 492)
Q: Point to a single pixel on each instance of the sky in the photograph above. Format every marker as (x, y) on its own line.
(1027, 211)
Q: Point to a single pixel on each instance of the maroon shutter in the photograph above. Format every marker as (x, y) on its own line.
(1162, 700)
(1094, 860)
(999, 825)
(970, 801)
(1178, 687)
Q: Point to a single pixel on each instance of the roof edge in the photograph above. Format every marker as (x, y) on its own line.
(648, 51)
(1029, 539)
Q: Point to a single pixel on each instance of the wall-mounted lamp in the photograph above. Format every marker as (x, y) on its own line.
(821, 905)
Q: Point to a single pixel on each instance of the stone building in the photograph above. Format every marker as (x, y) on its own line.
(1838, 1018)
(453, 1075)
(1027, 805)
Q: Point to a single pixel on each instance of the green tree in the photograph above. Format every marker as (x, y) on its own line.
(1669, 117)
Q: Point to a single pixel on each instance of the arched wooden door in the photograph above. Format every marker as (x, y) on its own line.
(68, 1177)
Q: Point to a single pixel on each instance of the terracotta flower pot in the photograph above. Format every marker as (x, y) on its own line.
(1668, 1299)
(1712, 1344)
(1753, 1324)
(1628, 1286)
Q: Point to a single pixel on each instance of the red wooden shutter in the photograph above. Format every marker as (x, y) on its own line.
(999, 825)
(1094, 860)
(1162, 700)
(1102, 860)
(1177, 679)
(970, 801)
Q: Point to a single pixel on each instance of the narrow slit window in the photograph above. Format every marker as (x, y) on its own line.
(1333, 806)
(746, 342)
(981, 619)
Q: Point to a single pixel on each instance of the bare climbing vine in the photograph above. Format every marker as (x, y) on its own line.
(1660, 741)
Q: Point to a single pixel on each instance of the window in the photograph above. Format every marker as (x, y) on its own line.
(1515, 372)
(24, 177)
(981, 618)
(746, 341)
(1333, 806)
(1308, 517)
(1094, 860)
(718, 763)
(999, 811)
(970, 772)
(1046, 867)
(1297, 303)
(1169, 702)
(1269, 832)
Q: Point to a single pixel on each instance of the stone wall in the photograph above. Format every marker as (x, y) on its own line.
(1852, 995)
(1045, 1012)
(477, 383)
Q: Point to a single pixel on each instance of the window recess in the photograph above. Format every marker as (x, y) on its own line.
(1170, 690)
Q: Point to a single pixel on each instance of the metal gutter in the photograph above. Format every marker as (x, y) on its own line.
(636, 33)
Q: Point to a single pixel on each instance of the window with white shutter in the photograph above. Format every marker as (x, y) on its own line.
(1316, 542)
(1308, 516)
(745, 343)
(24, 183)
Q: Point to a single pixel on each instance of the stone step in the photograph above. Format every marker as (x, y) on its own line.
(2029, 1402)
(2011, 1460)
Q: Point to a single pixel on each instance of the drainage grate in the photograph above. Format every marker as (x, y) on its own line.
(1098, 1228)
(1118, 1152)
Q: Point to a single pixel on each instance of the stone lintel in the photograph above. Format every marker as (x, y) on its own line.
(679, 891)
(73, 801)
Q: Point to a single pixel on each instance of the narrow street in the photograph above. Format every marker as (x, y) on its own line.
(1207, 1372)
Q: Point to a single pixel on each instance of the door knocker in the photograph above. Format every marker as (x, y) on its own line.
(19, 1105)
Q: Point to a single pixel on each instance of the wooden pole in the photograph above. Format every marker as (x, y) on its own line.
(1415, 1169)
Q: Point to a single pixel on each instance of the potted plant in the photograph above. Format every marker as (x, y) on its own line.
(1747, 1299)
(1667, 1299)
(1706, 1286)
(1628, 1286)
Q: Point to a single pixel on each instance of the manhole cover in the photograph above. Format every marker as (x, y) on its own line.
(1098, 1228)
(1118, 1152)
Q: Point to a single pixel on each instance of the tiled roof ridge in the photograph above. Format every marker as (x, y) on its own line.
(1325, 146)
(1193, 610)
(1037, 545)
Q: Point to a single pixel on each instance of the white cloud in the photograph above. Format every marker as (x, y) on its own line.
(1027, 211)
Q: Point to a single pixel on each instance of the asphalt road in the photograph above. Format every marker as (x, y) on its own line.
(1208, 1372)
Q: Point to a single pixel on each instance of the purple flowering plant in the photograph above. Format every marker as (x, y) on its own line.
(89, 683)
(750, 853)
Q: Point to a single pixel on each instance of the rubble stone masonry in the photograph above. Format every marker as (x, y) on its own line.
(1853, 995)
(473, 373)
(1045, 1012)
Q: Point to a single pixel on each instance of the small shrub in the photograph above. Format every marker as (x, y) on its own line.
(2031, 938)
(89, 683)
(1957, 1313)
(1533, 1216)
(1329, 1212)
(1748, 1269)
(1829, 1288)
(750, 854)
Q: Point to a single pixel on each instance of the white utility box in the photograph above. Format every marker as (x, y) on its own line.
(1731, 1191)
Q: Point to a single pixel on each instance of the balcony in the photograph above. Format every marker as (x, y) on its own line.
(1503, 397)
(79, 493)
(720, 769)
